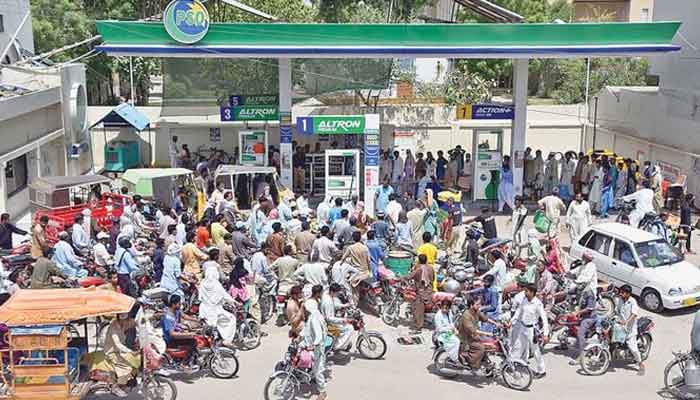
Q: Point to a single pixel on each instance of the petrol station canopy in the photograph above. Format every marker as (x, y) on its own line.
(282, 40)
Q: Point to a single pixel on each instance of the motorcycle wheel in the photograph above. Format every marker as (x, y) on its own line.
(373, 348)
(159, 388)
(250, 338)
(97, 391)
(389, 314)
(281, 387)
(674, 376)
(595, 360)
(223, 364)
(267, 308)
(516, 376)
(605, 307)
(644, 345)
(441, 364)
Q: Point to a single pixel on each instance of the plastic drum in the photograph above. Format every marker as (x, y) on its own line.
(399, 262)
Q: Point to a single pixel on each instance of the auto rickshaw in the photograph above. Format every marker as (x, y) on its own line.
(161, 185)
(62, 198)
(247, 182)
(40, 358)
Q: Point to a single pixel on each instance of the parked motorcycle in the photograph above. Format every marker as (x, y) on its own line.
(598, 355)
(406, 293)
(497, 363)
(207, 353)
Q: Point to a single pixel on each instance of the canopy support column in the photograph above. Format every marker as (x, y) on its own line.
(519, 128)
(285, 113)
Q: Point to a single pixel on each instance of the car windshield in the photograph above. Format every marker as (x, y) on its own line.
(657, 253)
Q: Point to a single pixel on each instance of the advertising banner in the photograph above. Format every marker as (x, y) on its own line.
(331, 125)
(237, 100)
(253, 145)
(249, 113)
(372, 148)
(485, 111)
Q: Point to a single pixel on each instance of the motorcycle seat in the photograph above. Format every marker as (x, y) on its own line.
(489, 344)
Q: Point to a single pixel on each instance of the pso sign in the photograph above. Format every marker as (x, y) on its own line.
(186, 21)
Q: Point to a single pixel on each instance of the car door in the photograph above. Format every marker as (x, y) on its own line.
(599, 246)
(624, 267)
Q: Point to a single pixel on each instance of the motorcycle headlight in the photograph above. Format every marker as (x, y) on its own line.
(675, 291)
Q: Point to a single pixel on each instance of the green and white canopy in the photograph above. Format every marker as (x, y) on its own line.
(273, 40)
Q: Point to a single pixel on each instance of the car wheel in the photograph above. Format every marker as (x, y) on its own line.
(651, 300)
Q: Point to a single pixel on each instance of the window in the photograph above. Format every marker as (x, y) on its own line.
(644, 17)
(2, 24)
(599, 243)
(623, 253)
(585, 238)
(657, 253)
(16, 175)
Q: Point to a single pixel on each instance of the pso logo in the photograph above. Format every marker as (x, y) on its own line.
(187, 21)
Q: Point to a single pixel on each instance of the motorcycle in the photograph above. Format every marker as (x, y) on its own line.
(497, 362)
(406, 293)
(267, 301)
(625, 208)
(375, 294)
(289, 374)
(682, 374)
(597, 356)
(207, 353)
(370, 344)
(248, 332)
(151, 384)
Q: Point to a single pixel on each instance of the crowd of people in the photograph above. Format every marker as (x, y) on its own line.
(315, 256)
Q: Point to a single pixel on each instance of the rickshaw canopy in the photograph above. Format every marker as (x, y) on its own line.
(60, 306)
(51, 183)
(226, 169)
(141, 179)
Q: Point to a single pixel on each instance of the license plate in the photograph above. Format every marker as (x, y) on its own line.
(691, 301)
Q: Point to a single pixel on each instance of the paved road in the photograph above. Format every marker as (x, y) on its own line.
(404, 373)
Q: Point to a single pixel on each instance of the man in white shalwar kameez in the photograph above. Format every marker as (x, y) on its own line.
(212, 297)
(578, 217)
(644, 198)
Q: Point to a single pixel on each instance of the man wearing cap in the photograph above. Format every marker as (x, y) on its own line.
(553, 207)
(586, 277)
(66, 259)
(81, 241)
(102, 257)
(226, 256)
(628, 313)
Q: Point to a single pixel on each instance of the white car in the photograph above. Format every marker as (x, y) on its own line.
(656, 271)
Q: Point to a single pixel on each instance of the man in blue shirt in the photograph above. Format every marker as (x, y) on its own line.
(490, 302)
(335, 212)
(173, 330)
(383, 193)
(125, 265)
(381, 229)
(376, 254)
(440, 165)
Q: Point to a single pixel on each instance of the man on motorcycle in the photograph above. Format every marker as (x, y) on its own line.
(81, 240)
(627, 311)
(39, 242)
(376, 254)
(644, 203)
(315, 332)
(446, 331)
(423, 277)
(284, 268)
(357, 255)
(66, 259)
(525, 321)
(124, 361)
(43, 270)
(472, 350)
(175, 329)
(586, 277)
(103, 259)
(490, 301)
(329, 302)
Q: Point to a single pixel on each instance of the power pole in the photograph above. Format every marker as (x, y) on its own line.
(595, 119)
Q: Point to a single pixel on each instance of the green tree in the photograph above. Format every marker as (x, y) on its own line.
(604, 72)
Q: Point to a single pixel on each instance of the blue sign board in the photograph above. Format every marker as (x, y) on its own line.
(372, 149)
(285, 134)
(493, 111)
(305, 125)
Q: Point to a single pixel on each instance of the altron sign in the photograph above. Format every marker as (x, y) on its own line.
(186, 21)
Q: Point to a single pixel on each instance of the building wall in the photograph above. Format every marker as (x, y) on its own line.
(13, 11)
(641, 10)
(592, 10)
